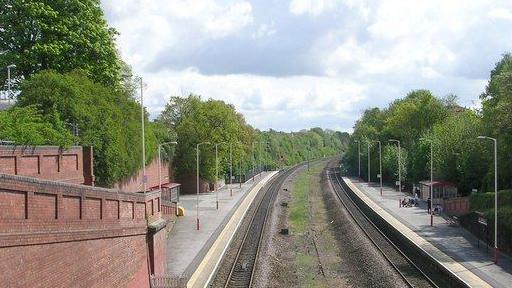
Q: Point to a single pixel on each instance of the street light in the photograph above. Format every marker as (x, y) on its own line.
(359, 156)
(197, 166)
(9, 82)
(144, 177)
(380, 164)
(160, 162)
(253, 160)
(261, 158)
(431, 180)
(368, 162)
(495, 195)
(217, 172)
(399, 168)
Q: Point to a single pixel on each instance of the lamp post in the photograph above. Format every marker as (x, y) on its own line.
(368, 162)
(399, 168)
(261, 158)
(380, 164)
(160, 161)
(253, 160)
(431, 180)
(9, 82)
(230, 169)
(144, 177)
(197, 179)
(359, 156)
(217, 173)
(495, 195)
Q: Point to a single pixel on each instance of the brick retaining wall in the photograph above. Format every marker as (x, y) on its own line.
(63, 235)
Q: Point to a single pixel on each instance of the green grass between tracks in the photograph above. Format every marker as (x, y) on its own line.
(299, 205)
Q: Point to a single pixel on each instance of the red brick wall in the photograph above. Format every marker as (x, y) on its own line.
(134, 183)
(46, 162)
(456, 206)
(189, 183)
(110, 262)
(64, 235)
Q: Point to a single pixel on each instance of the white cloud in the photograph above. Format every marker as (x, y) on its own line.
(312, 7)
(501, 13)
(264, 30)
(149, 27)
(351, 54)
(304, 98)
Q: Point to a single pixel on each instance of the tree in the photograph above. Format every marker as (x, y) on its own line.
(496, 110)
(27, 126)
(108, 120)
(61, 35)
(457, 149)
(196, 121)
(414, 115)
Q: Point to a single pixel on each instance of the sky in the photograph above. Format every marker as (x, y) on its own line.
(289, 65)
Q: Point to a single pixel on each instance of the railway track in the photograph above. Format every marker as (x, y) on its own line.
(412, 275)
(242, 270)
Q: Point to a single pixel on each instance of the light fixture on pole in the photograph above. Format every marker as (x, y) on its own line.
(496, 253)
(197, 180)
(431, 180)
(261, 158)
(9, 96)
(368, 162)
(160, 162)
(144, 176)
(253, 159)
(399, 168)
(217, 173)
(380, 164)
(359, 156)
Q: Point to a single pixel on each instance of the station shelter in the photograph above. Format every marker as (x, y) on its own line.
(440, 189)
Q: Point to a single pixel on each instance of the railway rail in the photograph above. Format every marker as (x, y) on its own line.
(242, 270)
(408, 271)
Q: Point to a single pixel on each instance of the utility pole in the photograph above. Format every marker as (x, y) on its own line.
(217, 173)
(197, 183)
(496, 252)
(144, 177)
(380, 166)
(399, 168)
(368, 162)
(359, 156)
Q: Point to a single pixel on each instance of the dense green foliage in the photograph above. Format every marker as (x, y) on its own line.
(284, 149)
(421, 118)
(61, 35)
(497, 118)
(27, 126)
(108, 120)
(194, 121)
(485, 201)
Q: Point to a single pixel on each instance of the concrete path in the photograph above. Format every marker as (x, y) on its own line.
(455, 241)
(185, 244)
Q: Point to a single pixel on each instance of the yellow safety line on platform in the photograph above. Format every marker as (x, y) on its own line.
(448, 262)
(211, 260)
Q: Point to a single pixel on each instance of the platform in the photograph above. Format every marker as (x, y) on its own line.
(186, 246)
(455, 242)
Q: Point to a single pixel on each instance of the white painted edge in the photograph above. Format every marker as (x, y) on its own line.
(195, 276)
(456, 268)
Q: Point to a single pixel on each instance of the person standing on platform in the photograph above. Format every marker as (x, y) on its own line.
(428, 205)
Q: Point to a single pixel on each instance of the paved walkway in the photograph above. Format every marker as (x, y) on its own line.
(185, 244)
(455, 241)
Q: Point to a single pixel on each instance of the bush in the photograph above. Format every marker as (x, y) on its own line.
(485, 201)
